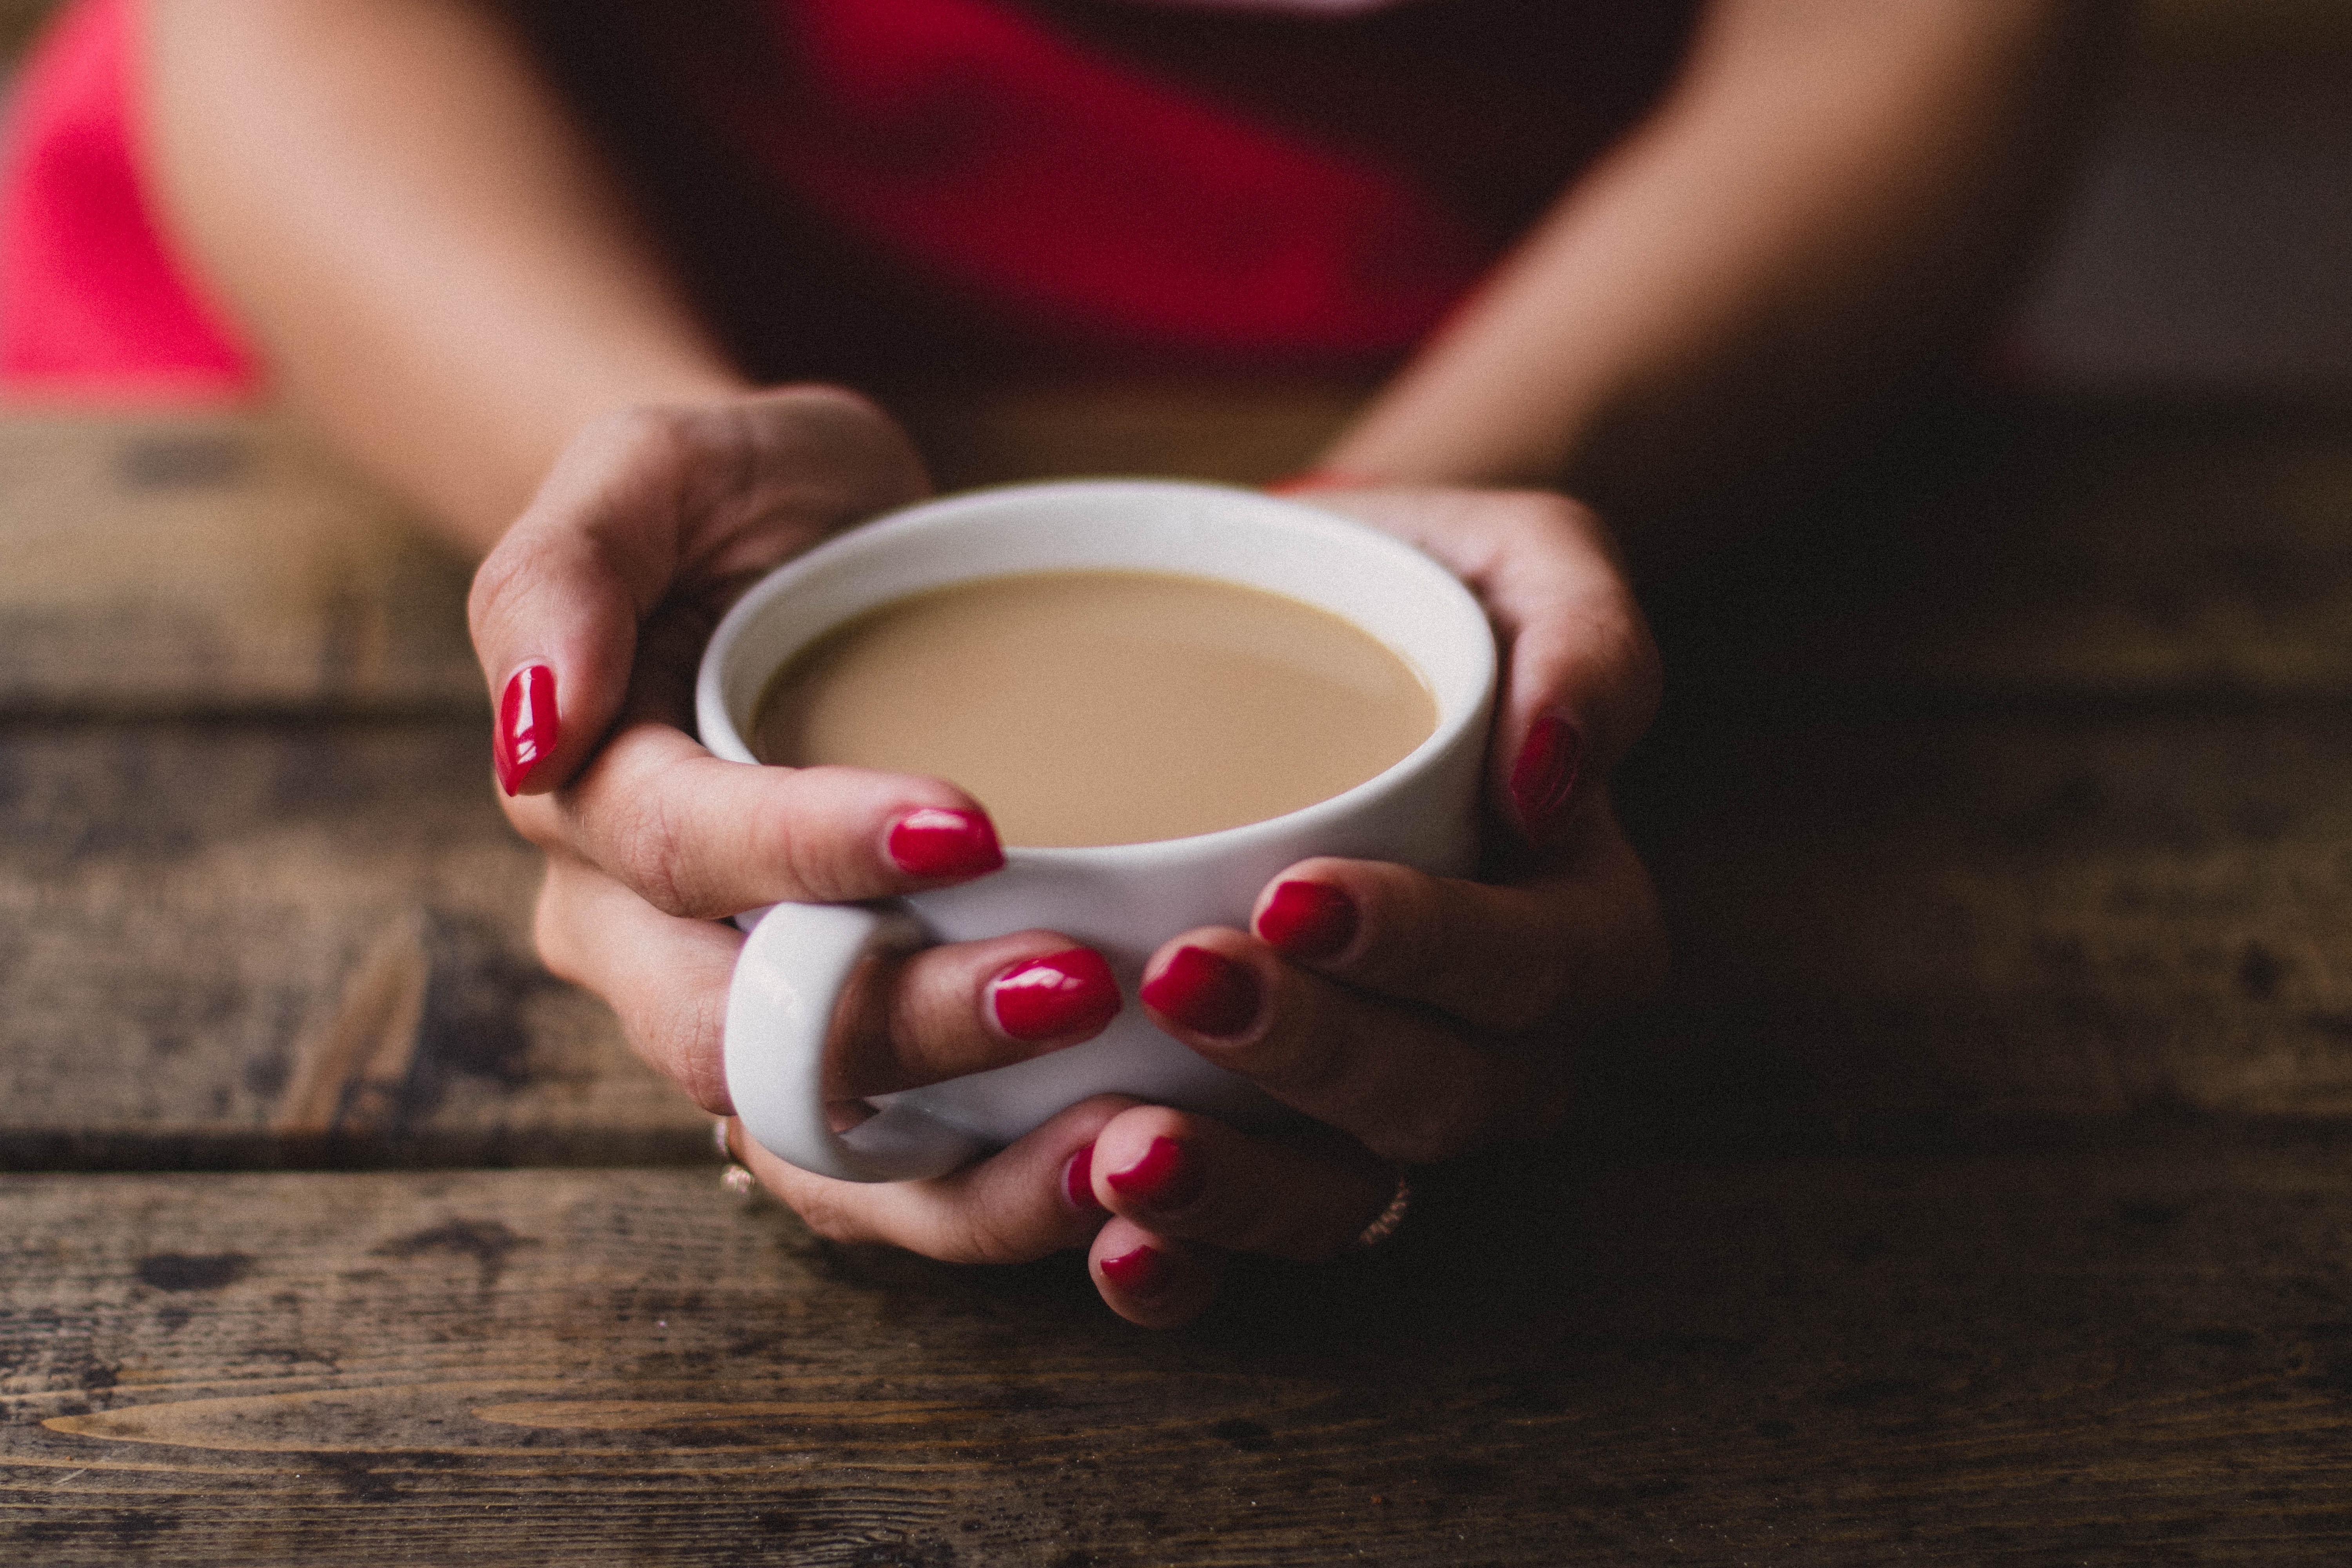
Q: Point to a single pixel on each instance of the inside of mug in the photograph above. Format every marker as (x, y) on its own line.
(1391, 590)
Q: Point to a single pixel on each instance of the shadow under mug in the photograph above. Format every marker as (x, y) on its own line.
(1123, 899)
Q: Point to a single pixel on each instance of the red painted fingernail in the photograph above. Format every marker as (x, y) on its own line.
(1544, 775)
(1167, 1177)
(526, 727)
(931, 841)
(1078, 1183)
(1067, 992)
(1143, 1272)
(1308, 920)
(1203, 991)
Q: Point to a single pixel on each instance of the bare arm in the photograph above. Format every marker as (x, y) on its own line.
(439, 268)
(1835, 192)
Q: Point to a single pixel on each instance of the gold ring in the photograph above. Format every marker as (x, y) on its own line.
(1384, 1224)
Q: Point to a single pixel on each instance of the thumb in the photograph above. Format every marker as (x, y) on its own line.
(555, 609)
(649, 504)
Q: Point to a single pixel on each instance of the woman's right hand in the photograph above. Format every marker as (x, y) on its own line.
(590, 617)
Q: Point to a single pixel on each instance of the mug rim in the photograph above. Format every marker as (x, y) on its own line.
(1450, 597)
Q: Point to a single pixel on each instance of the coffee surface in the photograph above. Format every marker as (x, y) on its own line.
(1102, 707)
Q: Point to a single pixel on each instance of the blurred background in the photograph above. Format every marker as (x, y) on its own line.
(2210, 245)
(2210, 241)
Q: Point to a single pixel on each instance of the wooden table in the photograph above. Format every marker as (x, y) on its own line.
(1979, 1194)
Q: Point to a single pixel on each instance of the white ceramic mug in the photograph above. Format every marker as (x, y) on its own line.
(1122, 899)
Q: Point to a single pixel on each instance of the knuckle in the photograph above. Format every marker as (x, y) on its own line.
(826, 400)
(1552, 511)
(1541, 992)
(1312, 1061)
(1424, 1144)
(1450, 1118)
(658, 863)
(678, 1041)
(645, 431)
(494, 585)
(986, 1237)
(816, 866)
(829, 1211)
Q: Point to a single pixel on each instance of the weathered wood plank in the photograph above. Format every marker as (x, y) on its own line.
(2072, 552)
(2052, 555)
(236, 943)
(2129, 1357)
(2017, 916)
(209, 563)
(257, 943)
(2120, 550)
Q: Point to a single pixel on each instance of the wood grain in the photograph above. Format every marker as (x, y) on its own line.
(2135, 1357)
(240, 943)
(2023, 554)
(2015, 552)
(213, 564)
(231, 943)
(1988, 918)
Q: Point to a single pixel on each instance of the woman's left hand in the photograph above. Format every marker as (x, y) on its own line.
(1414, 1017)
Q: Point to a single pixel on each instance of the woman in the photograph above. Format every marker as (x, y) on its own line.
(544, 267)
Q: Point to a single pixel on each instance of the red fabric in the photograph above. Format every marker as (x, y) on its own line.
(91, 302)
(1000, 163)
(1018, 169)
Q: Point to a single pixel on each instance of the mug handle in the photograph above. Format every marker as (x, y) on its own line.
(789, 978)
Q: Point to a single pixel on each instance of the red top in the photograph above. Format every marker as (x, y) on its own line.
(1070, 168)
(91, 302)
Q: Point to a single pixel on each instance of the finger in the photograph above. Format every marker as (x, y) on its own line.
(1008, 1208)
(1196, 1179)
(1580, 678)
(700, 837)
(1579, 941)
(666, 979)
(644, 504)
(908, 1021)
(1155, 1282)
(1403, 1081)
(944, 1012)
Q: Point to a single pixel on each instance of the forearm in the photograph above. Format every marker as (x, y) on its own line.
(436, 266)
(1835, 192)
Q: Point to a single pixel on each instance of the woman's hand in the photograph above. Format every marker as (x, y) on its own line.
(590, 617)
(1415, 1017)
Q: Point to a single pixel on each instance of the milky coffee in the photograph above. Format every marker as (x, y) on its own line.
(1102, 707)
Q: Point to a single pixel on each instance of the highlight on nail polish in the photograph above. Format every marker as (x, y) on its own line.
(527, 730)
(1308, 920)
(1142, 1272)
(1066, 993)
(1204, 992)
(1167, 1176)
(934, 841)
